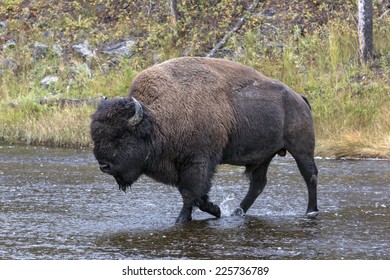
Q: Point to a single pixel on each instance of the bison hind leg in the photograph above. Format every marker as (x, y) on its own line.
(309, 172)
(239, 212)
(258, 179)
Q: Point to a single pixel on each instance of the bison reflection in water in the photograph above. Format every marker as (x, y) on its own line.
(185, 116)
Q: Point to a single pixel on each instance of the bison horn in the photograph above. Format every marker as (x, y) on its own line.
(138, 115)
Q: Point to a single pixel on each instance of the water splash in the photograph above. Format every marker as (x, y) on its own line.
(228, 205)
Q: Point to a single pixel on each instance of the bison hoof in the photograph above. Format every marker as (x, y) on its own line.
(183, 219)
(238, 212)
(216, 211)
(312, 214)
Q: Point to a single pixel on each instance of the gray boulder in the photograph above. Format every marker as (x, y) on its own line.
(9, 63)
(38, 50)
(9, 44)
(57, 49)
(85, 50)
(48, 80)
(3, 24)
(121, 48)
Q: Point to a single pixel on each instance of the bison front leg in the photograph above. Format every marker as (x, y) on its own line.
(206, 206)
(194, 184)
(203, 203)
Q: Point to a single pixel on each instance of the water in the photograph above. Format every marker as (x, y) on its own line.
(56, 204)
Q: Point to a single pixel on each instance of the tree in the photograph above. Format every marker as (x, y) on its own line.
(365, 30)
(175, 14)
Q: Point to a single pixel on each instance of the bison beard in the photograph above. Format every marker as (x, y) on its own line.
(122, 186)
(196, 113)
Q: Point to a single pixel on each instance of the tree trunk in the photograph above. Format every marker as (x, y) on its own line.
(175, 14)
(365, 30)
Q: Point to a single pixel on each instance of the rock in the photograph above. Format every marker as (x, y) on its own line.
(3, 24)
(267, 31)
(121, 48)
(57, 49)
(9, 44)
(48, 80)
(48, 33)
(101, 9)
(38, 51)
(8, 63)
(85, 50)
(269, 13)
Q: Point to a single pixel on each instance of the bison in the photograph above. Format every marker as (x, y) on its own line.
(185, 116)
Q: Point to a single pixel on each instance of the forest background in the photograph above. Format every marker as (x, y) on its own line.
(57, 58)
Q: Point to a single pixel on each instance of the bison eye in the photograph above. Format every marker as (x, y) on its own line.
(105, 168)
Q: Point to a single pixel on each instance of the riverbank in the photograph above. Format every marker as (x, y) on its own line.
(71, 59)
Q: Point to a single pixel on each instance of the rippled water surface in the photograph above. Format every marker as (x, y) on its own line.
(55, 204)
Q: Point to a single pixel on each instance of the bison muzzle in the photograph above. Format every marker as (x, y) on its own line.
(185, 116)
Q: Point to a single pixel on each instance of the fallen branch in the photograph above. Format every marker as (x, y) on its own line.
(384, 14)
(70, 101)
(236, 27)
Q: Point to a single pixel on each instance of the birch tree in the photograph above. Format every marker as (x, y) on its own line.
(365, 30)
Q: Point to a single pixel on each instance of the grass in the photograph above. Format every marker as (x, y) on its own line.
(24, 120)
(350, 102)
(66, 127)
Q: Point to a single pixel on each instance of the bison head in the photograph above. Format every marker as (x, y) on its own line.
(120, 134)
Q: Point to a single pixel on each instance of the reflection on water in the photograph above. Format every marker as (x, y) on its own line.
(55, 204)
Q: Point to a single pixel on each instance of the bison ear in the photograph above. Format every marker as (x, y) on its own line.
(138, 113)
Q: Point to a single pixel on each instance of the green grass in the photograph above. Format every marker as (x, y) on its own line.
(24, 120)
(350, 103)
